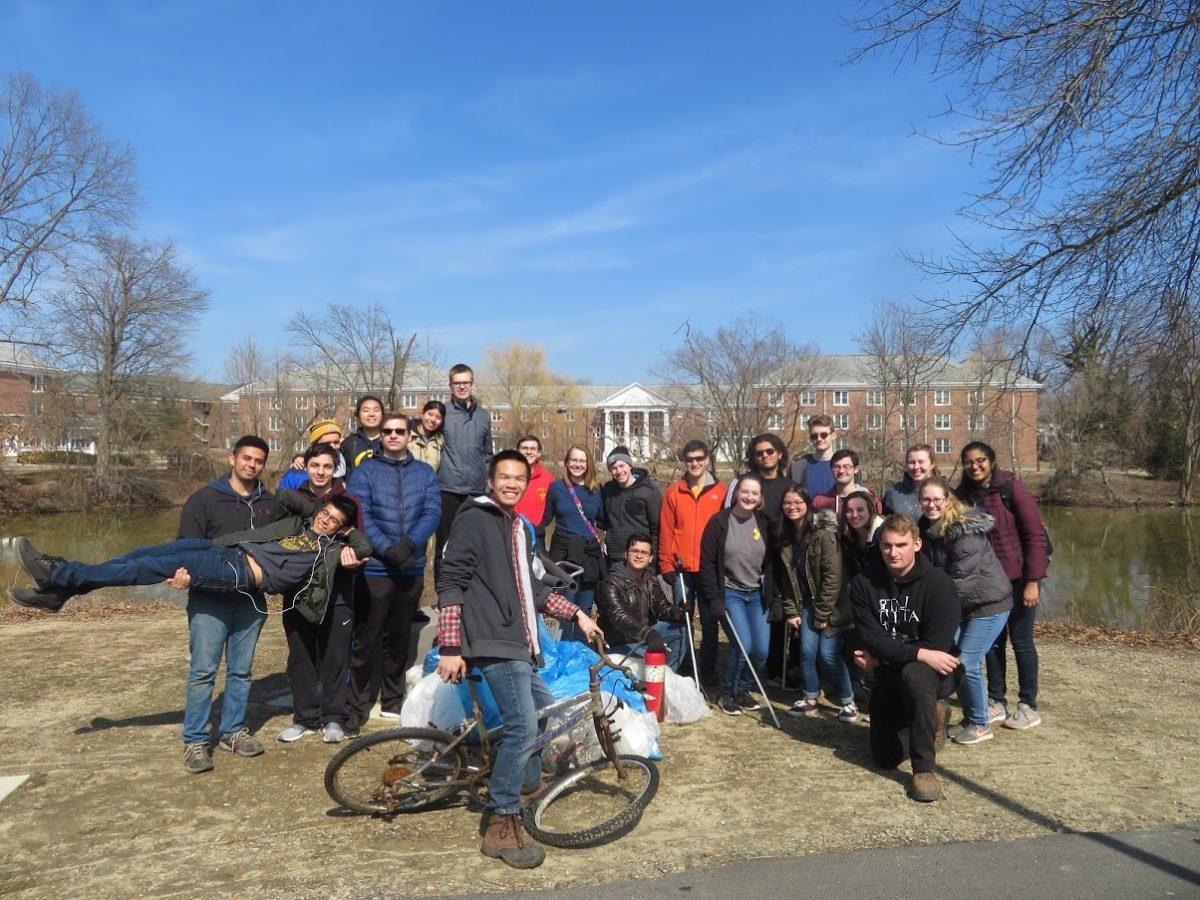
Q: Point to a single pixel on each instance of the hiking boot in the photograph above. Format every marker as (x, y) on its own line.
(924, 787)
(505, 839)
(243, 743)
(332, 733)
(747, 701)
(48, 601)
(36, 564)
(729, 706)
(973, 734)
(293, 733)
(197, 758)
(1023, 719)
(806, 706)
(997, 712)
(848, 713)
(943, 716)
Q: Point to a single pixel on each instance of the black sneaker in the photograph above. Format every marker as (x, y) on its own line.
(36, 564)
(729, 706)
(747, 702)
(49, 601)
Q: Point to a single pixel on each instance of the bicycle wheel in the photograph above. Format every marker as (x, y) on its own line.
(591, 806)
(373, 775)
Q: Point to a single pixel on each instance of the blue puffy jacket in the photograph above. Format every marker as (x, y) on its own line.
(401, 502)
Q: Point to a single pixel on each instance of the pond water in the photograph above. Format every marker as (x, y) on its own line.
(1110, 567)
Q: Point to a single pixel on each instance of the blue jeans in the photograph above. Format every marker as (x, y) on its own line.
(585, 599)
(1019, 630)
(816, 646)
(673, 636)
(219, 625)
(519, 692)
(745, 611)
(216, 569)
(975, 639)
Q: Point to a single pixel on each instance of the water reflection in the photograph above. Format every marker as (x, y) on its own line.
(1107, 569)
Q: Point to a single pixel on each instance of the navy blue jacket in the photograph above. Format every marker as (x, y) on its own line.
(401, 507)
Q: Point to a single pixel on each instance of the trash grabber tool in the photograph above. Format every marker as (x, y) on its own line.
(787, 646)
(688, 626)
(746, 657)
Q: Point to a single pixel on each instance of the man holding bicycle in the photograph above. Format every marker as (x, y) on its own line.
(489, 601)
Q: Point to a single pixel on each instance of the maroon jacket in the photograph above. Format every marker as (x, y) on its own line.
(1019, 538)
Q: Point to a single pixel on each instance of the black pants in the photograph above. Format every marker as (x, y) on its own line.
(382, 632)
(320, 654)
(775, 660)
(450, 505)
(904, 711)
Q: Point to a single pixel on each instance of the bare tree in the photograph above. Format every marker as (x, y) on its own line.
(1089, 116)
(61, 182)
(902, 359)
(1181, 380)
(248, 364)
(515, 378)
(122, 318)
(741, 375)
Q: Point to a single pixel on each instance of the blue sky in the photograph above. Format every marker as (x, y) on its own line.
(585, 175)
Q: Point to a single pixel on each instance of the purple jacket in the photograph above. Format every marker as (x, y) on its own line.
(1019, 538)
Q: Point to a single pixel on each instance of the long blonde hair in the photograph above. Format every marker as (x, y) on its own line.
(952, 513)
(589, 474)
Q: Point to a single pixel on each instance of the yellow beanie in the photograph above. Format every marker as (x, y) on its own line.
(322, 427)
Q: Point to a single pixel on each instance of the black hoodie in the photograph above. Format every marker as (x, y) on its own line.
(898, 617)
(628, 510)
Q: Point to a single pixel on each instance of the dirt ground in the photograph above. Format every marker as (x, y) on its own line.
(92, 711)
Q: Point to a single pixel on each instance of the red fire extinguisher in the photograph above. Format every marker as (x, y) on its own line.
(656, 676)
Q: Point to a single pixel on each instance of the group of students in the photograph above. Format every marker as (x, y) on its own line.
(920, 588)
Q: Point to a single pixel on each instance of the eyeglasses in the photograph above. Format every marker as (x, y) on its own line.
(978, 463)
(933, 501)
(819, 435)
(327, 516)
(690, 460)
(770, 451)
(461, 383)
(794, 504)
(393, 431)
(842, 468)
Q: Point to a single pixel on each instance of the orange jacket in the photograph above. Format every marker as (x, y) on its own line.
(533, 504)
(681, 524)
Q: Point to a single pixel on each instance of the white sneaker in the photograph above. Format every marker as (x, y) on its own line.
(1023, 719)
(294, 732)
(393, 716)
(332, 733)
(997, 712)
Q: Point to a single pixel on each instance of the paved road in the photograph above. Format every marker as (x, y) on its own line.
(1157, 862)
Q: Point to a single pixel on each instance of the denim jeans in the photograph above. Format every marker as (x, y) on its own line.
(974, 640)
(1019, 629)
(585, 599)
(745, 611)
(816, 646)
(219, 625)
(673, 636)
(519, 692)
(216, 569)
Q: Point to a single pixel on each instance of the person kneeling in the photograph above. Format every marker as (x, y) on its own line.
(297, 555)
(907, 612)
(634, 610)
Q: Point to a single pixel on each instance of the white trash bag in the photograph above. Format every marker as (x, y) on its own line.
(432, 701)
(685, 703)
(638, 730)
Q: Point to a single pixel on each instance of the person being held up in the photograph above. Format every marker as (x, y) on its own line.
(489, 601)
(633, 609)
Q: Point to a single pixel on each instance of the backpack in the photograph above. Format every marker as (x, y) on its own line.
(1005, 491)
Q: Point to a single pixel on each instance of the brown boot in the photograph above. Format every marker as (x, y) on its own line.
(943, 716)
(505, 840)
(925, 787)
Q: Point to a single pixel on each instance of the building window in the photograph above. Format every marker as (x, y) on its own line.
(941, 421)
(658, 425)
(775, 397)
(841, 421)
(274, 443)
(276, 403)
(775, 422)
(303, 401)
(874, 398)
(570, 415)
(977, 422)
(874, 443)
(78, 401)
(804, 418)
(941, 398)
(941, 445)
(408, 401)
(975, 397)
(841, 398)
(908, 422)
(496, 416)
(637, 424)
(908, 398)
(875, 421)
(807, 398)
(36, 407)
(276, 424)
(36, 384)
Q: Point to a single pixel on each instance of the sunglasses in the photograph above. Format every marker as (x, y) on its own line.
(694, 459)
(771, 452)
(394, 430)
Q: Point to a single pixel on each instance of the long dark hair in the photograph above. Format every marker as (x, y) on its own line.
(432, 404)
(848, 532)
(967, 487)
(787, 531)
(767, 438)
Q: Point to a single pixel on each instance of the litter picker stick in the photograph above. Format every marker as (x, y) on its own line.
(746, 657)
(787, 641)
(688, 625)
